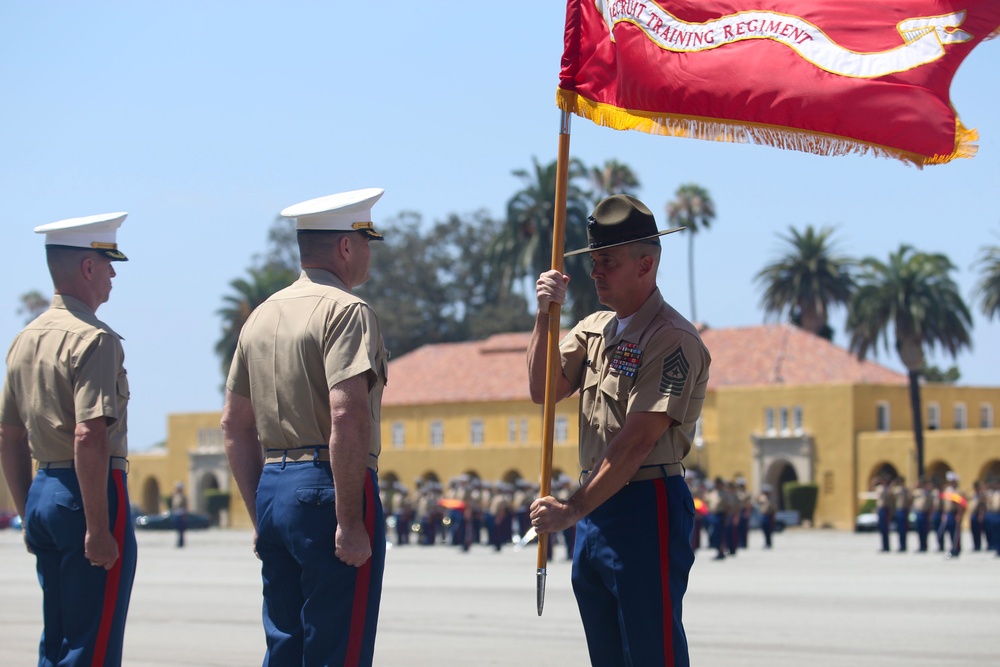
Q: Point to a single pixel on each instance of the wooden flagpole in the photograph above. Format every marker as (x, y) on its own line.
(553, 367)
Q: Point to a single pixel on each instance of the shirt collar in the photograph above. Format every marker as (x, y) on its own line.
(70, 303)
(322, 277)
(640, 320)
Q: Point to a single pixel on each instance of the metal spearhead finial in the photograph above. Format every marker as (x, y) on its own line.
(540, 590)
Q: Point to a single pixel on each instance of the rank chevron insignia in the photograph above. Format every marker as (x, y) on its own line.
(675, 373)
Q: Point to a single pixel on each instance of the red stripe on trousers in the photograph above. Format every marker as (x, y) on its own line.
(663, 522)
(114, 574)
(360, 608)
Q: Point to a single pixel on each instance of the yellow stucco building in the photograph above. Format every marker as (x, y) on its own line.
(782, 405)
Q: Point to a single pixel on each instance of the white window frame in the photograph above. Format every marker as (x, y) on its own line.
(769, 421)
(524, 429)
(512, 430)
(797, 419)
(883, 417)
(985, 415)
(477, 432)
(561, 429)
(934, 416)
(398, 435)
(210, 439)
(437, 433)
(783, 419)
(961, 421)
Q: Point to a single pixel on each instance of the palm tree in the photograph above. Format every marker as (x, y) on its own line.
(248, 293)
(33, 304)
(914, 295)
(988, 287)
(693, 209)
(524, 245)
(807, 280)
(613, 178)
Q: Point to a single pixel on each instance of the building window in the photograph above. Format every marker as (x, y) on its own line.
(933, 416)
(797, 418)
(398, 435)
(210, 438)
(561, 429)
(961, 419)
(769, 421)
(476, 432)
(512, 430)
(437, 434)
(986, 415)
(882, 416)
(524, 430)
(783, 416)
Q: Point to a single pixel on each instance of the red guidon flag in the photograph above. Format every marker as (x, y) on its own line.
(823, 76)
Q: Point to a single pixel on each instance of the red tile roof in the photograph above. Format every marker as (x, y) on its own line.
(784, 354)
(495, 369)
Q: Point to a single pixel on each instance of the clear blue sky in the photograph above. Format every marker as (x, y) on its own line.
(204, 119)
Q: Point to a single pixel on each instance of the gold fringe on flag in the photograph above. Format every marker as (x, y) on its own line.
(788, 138)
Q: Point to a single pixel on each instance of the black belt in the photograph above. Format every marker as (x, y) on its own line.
(117, 463)
(648, 472)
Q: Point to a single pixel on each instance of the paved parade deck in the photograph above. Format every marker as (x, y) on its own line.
(820, 598)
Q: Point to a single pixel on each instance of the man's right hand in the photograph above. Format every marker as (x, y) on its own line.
(550, 288)
(352, 544)
(100, 549)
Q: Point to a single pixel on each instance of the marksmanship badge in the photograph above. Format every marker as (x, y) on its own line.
(626, 359)
(675, 373)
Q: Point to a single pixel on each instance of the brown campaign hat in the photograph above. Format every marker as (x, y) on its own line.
(617, 220)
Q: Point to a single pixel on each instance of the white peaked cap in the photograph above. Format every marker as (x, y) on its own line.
(343, 212)
(93, 232)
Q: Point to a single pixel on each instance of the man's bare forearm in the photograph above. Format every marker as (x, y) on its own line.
(242, 445)
(350, 432)
(15, 458)
(92, 456)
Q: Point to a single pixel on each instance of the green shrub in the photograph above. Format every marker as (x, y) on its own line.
(216, 501)
(802, 498)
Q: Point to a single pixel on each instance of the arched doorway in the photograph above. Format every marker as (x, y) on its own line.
(208, 488)
(989, 471)
(936, 473)
(883, 471)
(511, 477)
(780, 473)
(151, 496)
(780, 459)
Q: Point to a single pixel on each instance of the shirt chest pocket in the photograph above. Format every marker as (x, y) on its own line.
(122, 384)
(615, 390)
(616, 387)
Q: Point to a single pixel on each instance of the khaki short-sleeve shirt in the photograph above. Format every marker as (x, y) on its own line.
(65, 367)
(295, 348)
(658, 363)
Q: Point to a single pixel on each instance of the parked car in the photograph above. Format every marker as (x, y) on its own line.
(782, 519)
(755, 517)
(6, 517)
(165, 521)
(867, 522)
